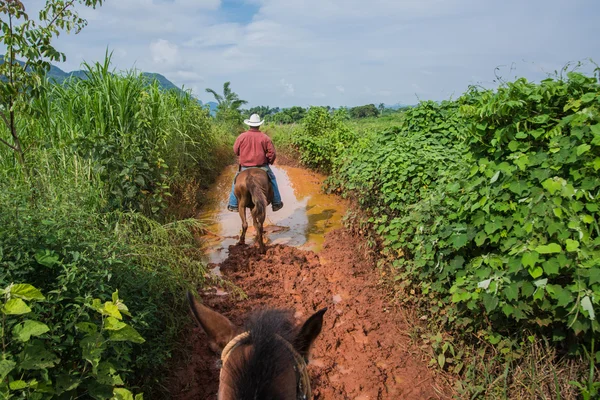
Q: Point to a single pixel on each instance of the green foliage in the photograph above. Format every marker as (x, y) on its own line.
(139, 139)
(228, 109)
(84, 217)
(365, 111)
(37, 351)
(530, 206)
(30, 39)
(323, 137)
(290, 115)
(486, 206)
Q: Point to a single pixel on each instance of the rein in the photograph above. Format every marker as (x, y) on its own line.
(303, 389)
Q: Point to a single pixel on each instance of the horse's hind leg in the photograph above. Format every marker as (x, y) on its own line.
(259, 225)
(242, 211)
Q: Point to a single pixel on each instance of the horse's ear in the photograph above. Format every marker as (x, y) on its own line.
(218, 328)
(309, 332)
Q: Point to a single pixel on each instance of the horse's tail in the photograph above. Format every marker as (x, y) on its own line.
(258, 198)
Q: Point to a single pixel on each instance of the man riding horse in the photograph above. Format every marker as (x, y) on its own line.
(255, 149)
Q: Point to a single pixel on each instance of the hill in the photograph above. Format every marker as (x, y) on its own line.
(59, 76)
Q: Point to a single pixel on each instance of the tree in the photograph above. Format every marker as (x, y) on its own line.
(365, 111)
(228, 108)
(381, 108)
(29, 52)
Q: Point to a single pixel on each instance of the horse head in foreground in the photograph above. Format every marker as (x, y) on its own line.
(253, 190)
(264, 361)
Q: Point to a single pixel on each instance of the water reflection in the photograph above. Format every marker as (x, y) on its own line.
(307, 216)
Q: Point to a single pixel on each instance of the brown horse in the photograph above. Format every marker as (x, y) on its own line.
(264, 361)
(253, 190)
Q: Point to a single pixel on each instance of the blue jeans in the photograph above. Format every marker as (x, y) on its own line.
(233, 202)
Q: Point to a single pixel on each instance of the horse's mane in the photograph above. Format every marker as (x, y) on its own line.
(256, 376)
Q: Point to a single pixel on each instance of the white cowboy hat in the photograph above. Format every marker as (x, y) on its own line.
(254, 120)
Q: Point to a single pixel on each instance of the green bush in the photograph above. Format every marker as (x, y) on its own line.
(83, 218)
(487, 205)
(85, 354)
(530, 206)
(322, 138)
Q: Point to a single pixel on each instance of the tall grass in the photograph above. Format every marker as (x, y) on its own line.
(93, 210)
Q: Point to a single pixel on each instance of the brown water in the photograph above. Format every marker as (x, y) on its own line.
(308, 214)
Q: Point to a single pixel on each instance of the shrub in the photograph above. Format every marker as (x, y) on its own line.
(323, 138)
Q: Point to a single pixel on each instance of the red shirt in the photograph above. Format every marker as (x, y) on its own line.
(254, 148)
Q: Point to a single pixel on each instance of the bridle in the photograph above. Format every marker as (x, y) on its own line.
(303, 389)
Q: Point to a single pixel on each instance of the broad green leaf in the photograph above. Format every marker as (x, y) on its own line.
(511, 292)
(541, 283)
(66, 383)
(441, 360)
(549, 248)
(15, 307)
(495, 177)
(586, 304)
(113, 324)
(588, 97)
(25, 330)
(587, 219)
(459, 240)
(46, 258)
(108, 375)
(484, 284)
(86, 327)
(572, 245)
(36, 356)
(536, 272)
(122, 394)
(551, 267)
(563, 296)
(553, 185)
(5, 367)
(530, 258)
(92, 347)
(128, 334)
(26, 292)
(490, 302)
(18, 385)
(112, 310)
(583, 149)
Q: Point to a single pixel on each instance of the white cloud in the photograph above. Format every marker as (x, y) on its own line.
(164, 52)
(288, 88)
(337, 47)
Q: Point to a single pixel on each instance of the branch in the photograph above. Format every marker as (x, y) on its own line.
(8, 144)
(67, 5)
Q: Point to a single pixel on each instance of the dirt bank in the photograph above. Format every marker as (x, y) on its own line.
(364, 351)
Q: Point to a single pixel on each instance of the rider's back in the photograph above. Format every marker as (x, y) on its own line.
(254, 148)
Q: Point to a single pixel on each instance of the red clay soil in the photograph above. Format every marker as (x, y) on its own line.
(363, 352)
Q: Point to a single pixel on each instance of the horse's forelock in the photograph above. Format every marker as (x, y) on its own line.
(257, 373)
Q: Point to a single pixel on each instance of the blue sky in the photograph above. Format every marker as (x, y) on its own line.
(337, 52)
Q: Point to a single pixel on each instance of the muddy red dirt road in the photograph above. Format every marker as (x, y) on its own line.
(364, 351)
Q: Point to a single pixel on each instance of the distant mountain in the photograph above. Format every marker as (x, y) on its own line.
(213, 107)
(398, 106)
(59, 76)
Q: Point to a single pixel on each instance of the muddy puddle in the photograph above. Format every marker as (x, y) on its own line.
(308, 214)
